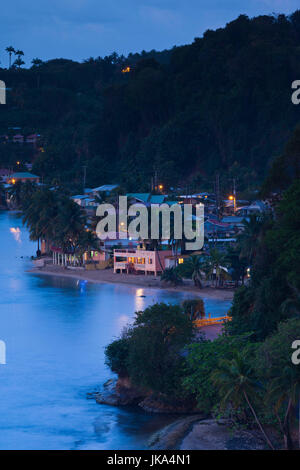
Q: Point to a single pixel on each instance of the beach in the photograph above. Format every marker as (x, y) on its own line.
(108, 276)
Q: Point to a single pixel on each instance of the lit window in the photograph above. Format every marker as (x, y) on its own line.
(126, 70)
(180, 261)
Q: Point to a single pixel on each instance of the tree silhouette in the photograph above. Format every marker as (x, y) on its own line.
(10, 50)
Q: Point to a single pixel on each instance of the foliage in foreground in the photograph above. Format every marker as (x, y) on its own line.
(151, 351)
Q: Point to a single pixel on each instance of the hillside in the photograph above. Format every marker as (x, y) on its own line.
(222, 103)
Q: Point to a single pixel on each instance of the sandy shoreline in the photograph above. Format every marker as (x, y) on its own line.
(107, 276)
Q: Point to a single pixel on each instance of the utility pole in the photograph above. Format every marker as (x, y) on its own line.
(234, 194)
(218, 194)
(84, 176)
(154, 180)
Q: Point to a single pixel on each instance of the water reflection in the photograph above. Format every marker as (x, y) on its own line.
(55, 331)
(16, 234)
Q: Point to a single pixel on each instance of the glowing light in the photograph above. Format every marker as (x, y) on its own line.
(82, 286)
(139, 300)
(126, 70)
(16, 234)
(231, 198)
(13, 181)
(161, 187)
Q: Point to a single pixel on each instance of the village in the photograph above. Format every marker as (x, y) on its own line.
(222, 262)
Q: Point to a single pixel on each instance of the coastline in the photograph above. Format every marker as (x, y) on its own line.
(107, 276)
(199, 433)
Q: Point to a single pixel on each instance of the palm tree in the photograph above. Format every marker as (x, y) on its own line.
(249, 238)
(286, 387)
(194, 308)
(171, 275)
(291, 306)
(69, 225)
(39, 214)
(87, 242)
(15, 193)
(237, 264)
(215, 265)
(18, 62)
(194, 264)
(19, 53)
(10, 51)
(236, 384)
(2, 193)
(36, 62)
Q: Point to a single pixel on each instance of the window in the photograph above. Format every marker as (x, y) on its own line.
(150, 261)
(180, 261)
(120, 259)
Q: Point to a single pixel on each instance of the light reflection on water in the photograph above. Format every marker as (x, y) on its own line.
(16, 232)
(55, 331)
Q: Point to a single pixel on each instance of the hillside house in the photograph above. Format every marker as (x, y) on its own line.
(23, 177)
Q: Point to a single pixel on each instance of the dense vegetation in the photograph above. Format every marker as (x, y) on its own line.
(53, 217)
(274, 292)
(150, 351)
(222, 103)
(247, 374)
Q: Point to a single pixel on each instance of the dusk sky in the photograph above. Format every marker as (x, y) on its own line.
(78, 29)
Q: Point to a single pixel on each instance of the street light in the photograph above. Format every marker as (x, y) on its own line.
(233, 198)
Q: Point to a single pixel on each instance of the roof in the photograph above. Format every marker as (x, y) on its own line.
(106, 187)
(79, 196)
(147, 197)
(222, 240)
(143, 197)
(157, 199)
(178, 256)
(171, 203)
(216, 222)
(23, 175)
(233, 219)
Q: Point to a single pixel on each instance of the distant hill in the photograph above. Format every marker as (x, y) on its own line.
(222, 103)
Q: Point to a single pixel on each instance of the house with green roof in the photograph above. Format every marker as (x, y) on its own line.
(23, 177)
(146, 198)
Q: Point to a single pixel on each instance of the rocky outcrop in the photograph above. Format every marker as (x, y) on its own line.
(196, 433)
(121, 392)
(155, 403)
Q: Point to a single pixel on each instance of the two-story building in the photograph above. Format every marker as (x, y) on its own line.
(137, 261)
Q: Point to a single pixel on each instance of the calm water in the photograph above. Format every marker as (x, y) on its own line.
(55, 331)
